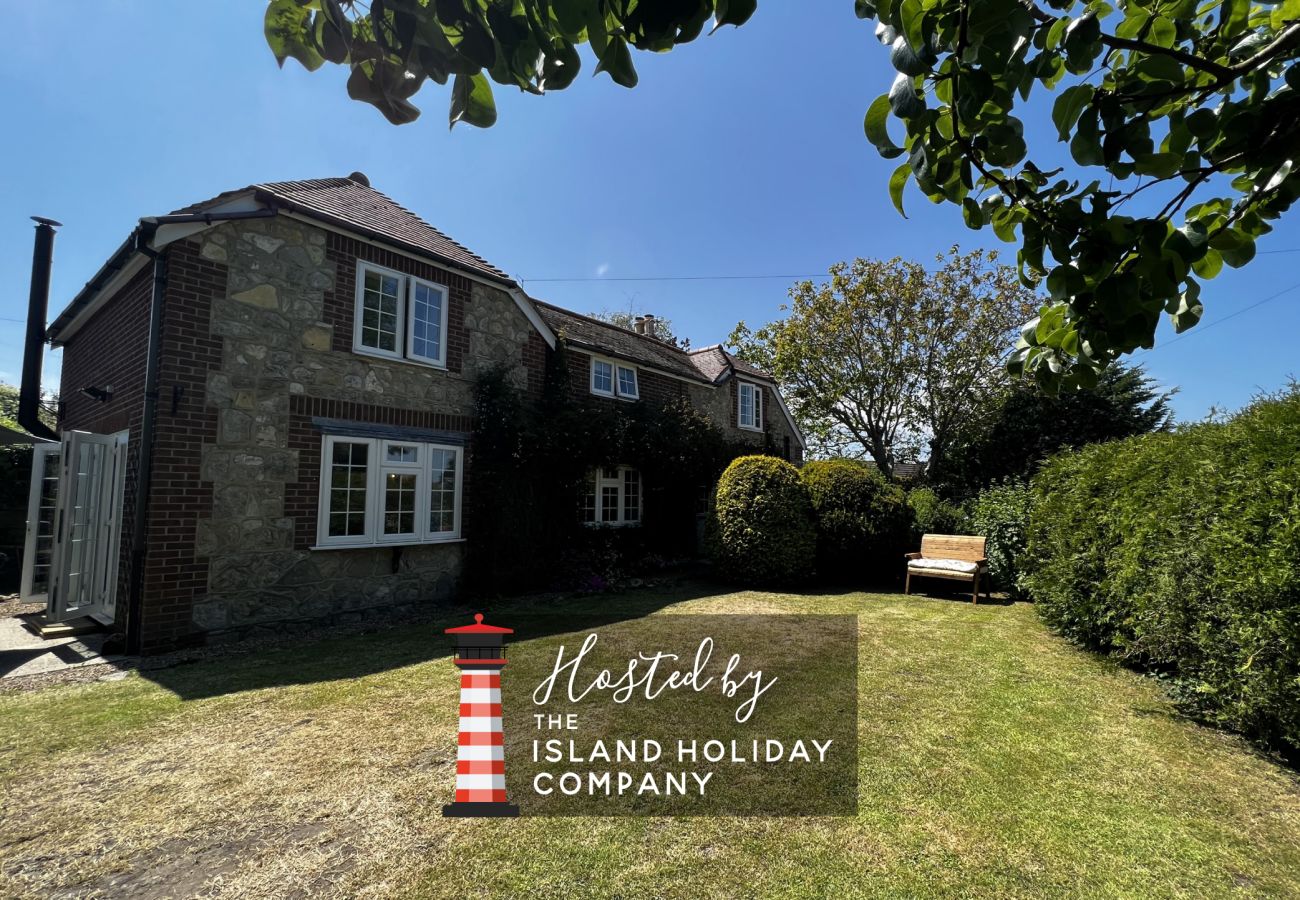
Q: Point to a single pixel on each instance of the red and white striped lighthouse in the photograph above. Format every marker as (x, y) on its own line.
(480, 758)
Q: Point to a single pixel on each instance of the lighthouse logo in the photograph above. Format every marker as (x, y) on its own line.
(480, 757)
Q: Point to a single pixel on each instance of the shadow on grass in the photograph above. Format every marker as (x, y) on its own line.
(385, 648)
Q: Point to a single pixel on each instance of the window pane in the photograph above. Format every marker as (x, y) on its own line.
(602, 377)
(609, 504)
(426, 321)
(627, 382)
(380, 298)
(587, 499)
(747, 416)
(442, 492)
(402, 453)
(631, 495)
(347, 496)
(399, 503)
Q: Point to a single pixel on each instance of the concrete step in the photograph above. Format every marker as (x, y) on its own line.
(40, 626)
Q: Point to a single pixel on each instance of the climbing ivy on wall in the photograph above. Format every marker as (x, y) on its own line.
(528, 460)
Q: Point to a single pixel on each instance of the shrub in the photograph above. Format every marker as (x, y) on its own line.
(931, 515)
(762, 522)
(1182, 551)
(1001, 515)
(863, 522)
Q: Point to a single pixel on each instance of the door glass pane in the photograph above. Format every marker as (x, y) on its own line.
(587, 499)
(47, 503)
(81, 528)
(426, 322)
(379, 302)
(442, 492)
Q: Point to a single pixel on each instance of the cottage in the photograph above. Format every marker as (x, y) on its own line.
(267, 413)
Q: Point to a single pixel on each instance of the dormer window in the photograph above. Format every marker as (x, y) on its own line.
(750, 406)
(400, 317)
(614, 379)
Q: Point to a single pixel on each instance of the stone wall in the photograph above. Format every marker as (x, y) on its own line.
(283, 322)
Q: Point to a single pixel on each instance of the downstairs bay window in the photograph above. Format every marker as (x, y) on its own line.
(611, 496)
(377, 492)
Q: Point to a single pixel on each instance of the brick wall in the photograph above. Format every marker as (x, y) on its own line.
(175, 573)
(653, 387)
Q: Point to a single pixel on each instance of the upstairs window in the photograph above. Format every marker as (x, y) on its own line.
(611, 496)
(612, 379)
(376, 491)
(750, 407)
(400, 316)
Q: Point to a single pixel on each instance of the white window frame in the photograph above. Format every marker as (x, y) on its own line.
(619, 482)
(377, 466)
(615, 390)
(405, 317)
(756, 390)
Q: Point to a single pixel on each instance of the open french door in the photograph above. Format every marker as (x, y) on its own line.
(79, 517)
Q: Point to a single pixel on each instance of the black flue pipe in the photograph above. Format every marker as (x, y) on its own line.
(38, 302)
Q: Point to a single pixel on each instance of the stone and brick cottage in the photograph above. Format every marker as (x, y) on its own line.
(268, 405)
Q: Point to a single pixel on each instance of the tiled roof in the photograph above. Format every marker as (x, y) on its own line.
(618, 341)
(355, 205)
(711, 361)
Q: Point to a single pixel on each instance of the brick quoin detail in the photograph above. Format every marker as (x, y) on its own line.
(302, 498)
(174, 574)
(340, 302)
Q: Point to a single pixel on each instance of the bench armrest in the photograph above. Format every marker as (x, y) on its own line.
(912, 556)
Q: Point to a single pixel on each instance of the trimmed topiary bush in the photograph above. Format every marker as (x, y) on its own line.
(1182, 552)
(863, 522)
(762, 530)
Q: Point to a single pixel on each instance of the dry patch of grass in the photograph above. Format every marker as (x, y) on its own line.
(994, 760)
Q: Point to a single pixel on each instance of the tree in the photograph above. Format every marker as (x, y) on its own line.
(1027, 426)
(886, 357)
(9, 407)
(663, 327)
(1172, 109)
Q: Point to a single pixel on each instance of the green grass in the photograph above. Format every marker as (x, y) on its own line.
(995, 760)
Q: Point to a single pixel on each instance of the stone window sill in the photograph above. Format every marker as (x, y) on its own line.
(386, 546)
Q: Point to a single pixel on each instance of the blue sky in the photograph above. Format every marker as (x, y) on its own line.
(740, 154)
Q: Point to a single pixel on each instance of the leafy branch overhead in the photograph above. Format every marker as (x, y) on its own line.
(393, 46)
(1188, 113)
(1180, 122)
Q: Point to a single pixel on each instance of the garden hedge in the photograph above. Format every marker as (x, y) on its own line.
(1181, 552)
(863, 522)
(1001, 515)
(762, 532)
(933, 515)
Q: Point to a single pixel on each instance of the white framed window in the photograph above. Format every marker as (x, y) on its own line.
(376, 492)
(611, 496)
(399, 316)
(749, 409)
(614, 379)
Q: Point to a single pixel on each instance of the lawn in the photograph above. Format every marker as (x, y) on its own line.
(995, 760)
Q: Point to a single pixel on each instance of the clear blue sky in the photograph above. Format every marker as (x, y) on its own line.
(740, 154)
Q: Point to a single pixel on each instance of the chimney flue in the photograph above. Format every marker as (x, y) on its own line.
(29, 394)
(648, 325)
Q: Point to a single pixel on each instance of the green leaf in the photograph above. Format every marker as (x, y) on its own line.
(733, 12)
(1069, 106)
(903, 98)
(897, 182)
(471, 101)
(289, 33)
(972, 213)
(617, 61)
(876, 126)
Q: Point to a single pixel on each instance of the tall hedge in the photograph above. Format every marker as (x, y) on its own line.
(863, 522)
(1001, 515)
(762, 532)
(1182, 551)
(933, 515)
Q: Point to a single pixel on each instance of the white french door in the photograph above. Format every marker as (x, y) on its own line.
(79, 518)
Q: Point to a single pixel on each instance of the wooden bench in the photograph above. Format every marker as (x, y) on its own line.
(957, 557)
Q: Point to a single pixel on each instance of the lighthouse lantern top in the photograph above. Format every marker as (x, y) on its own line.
(479, 628)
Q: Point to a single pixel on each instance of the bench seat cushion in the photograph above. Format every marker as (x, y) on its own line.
(943, 565)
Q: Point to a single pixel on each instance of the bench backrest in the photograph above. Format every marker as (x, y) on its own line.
(952, 546)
